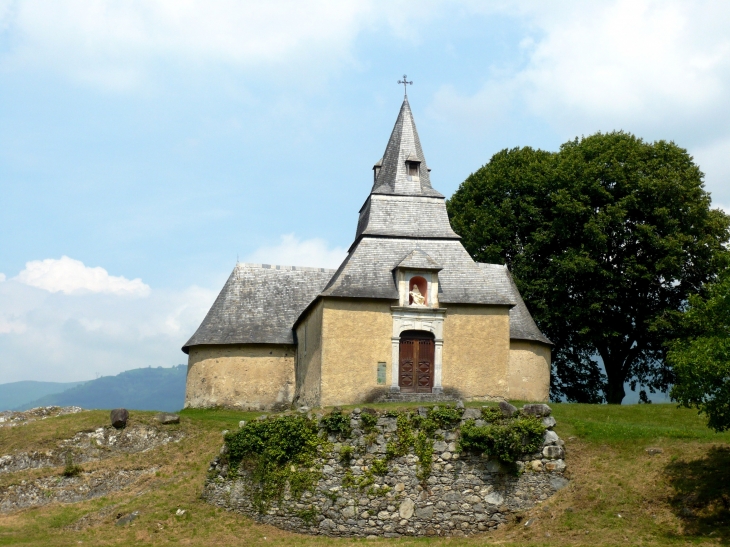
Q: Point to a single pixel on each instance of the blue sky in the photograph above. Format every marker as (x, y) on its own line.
(144, 146)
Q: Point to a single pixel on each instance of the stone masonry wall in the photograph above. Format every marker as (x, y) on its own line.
(464, 494)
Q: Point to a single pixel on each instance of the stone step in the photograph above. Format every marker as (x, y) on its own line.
(416, 398)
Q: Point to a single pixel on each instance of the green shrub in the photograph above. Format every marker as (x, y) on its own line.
(445, 417)
(404, 434)
(507, 440)
(379, 467)
(423, 447)
(71, 469)
(369, 421)
(276, 452)
(346, 454)
(492, 414)
(337, 423)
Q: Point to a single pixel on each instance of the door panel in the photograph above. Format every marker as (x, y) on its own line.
(416, 364)
(406, 366)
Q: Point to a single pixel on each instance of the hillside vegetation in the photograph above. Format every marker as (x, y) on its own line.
(16, 394)
(619, 494)
(142, 388)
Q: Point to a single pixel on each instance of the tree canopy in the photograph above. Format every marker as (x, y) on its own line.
(606, 240)
(700, 358)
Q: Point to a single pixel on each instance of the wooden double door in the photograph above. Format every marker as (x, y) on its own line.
(415, 368)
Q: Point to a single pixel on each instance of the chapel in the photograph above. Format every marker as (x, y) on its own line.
(408, 314)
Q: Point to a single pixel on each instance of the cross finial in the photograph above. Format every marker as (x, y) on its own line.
(405, 83)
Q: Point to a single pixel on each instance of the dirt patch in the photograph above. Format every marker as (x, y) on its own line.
(85, 446)
(57, 489)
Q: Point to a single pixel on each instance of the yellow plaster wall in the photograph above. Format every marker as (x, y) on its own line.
(355, 336)
(246, 377)
(529, 371)
(309, 358)
(476, 351)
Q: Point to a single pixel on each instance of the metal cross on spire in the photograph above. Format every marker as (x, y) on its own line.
(405, 83)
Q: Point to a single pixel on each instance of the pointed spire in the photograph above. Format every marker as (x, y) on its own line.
(404, 170)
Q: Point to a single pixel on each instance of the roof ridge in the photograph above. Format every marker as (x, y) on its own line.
(285, 268)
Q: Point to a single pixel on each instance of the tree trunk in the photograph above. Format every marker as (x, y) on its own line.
(614, 389)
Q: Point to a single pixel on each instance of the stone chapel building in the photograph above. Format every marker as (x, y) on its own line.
(407, 312)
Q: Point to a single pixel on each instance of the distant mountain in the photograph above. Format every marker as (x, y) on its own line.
(15, 394)
(139, 389)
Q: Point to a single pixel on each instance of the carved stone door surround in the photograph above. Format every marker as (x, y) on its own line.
(424, 319)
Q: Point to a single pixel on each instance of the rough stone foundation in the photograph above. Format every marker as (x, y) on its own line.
(464, 494)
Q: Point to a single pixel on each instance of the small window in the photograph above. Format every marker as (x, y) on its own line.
(412, 168)
(381, 374)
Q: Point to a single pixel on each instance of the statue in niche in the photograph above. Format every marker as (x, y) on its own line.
(418, 299)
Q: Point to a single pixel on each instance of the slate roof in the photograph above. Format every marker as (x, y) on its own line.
(259, 304)
(418, 260)
(404, 141)
(367, 272)
(405, 216)
(521, 324)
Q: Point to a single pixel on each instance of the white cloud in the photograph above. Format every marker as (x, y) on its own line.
(60, 337)
(646, 66)
(657, 68)
(654, 63)
(73, 277)
(114, 44)
(292, 251)
(2, 277)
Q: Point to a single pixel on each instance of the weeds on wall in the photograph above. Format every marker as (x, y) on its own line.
(337, 423)
(506, 439)
(276, 453)
(280, 454)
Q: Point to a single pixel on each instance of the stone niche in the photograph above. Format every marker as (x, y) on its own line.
(464, 494)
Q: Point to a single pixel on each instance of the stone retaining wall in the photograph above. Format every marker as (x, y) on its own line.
(464, 494)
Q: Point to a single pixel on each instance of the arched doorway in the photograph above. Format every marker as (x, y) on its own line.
(416, 363)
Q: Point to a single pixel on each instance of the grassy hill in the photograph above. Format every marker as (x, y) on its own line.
(16, 394)
(141, 389)
(619, 494)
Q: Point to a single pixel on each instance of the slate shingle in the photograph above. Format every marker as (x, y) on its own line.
(521, 324)
(368, 272)
(259, 304)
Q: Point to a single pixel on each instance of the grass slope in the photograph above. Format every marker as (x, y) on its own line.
(619, 494)
(141, 389)
(15, 394)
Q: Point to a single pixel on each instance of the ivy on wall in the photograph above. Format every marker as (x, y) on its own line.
(280, 453)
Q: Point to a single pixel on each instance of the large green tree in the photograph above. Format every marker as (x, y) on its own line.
(700, 358)
(606, 239)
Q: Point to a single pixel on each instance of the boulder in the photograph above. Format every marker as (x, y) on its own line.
(538, 410)
(166, 418)
(507, 409)
(550, 437)
(553, 452)
(121, 521)
(549, 422)
(555, 465)
(471, 414)
(119, 417)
